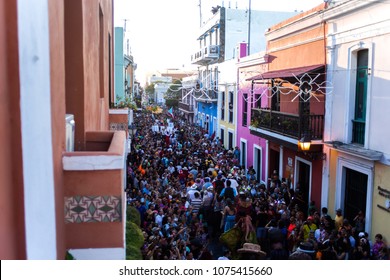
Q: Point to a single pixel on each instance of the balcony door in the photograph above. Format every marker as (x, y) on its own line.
(355, 198)
(303, 182)
(359, 121)
(243, 153)
(257, 162)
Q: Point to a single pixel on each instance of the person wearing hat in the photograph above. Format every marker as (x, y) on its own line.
(308, 227)
(251, 251)
(305, 251)
(234, 183)
(191, 191)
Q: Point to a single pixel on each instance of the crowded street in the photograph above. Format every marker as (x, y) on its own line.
(196, 202)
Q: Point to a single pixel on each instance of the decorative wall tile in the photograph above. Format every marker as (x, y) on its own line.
(118, 126)
(86, 209)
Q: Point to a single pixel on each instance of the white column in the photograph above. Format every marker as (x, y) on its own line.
(35, 103)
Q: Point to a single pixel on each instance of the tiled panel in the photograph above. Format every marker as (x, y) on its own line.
(86, 209)
(118, 126)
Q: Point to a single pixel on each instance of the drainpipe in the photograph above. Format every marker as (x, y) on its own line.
(328, 128)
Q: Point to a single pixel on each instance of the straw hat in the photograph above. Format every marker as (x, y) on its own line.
(252, 248)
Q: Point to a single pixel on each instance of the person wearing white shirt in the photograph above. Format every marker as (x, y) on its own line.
(159, 217)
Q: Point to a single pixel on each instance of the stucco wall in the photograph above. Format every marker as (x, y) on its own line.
(381, 218)
(243, 132)
(87, 73)
(12, 228)
(57, 87)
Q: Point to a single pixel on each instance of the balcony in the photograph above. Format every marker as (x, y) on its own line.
(186, 108)
(207, 95)
(289, 125)
(206, 55)
(119, 119)
(94, 197)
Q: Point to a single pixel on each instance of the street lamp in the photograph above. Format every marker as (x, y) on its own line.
(132, 129)
(304, 143)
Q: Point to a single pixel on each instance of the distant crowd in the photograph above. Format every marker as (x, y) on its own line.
(197, 202)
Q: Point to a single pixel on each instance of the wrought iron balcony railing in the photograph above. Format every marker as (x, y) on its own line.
(290, 125)
(186, 107)
(358, 131)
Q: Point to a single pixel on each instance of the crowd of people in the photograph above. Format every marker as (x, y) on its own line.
(197, 202)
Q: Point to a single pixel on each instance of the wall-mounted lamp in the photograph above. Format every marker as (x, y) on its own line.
(132, 128)
(304, 144)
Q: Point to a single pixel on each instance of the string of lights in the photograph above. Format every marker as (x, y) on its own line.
(304, 87)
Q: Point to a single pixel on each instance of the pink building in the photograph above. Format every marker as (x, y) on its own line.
(293, 108)
(62, 182)
(253, 148)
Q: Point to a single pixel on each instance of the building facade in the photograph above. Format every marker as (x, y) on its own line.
(216, 55)
(357, 172)
(253, 148)
(296, 108)
(59, 64)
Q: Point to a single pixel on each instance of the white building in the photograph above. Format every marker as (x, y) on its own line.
(217, 45)
(161, 86)
(357, 173)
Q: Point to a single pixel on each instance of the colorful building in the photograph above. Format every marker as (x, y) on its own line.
(356, 176)
(62, 184)
(216, 56)
(295, 105)
(252, 148)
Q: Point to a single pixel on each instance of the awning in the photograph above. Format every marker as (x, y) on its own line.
(287, 73)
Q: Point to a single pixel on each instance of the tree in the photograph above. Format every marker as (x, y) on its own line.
(173, 94)
(150, 92)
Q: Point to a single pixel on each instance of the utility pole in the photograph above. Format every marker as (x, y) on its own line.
(124, 25)
(200, 12)
(249, 29)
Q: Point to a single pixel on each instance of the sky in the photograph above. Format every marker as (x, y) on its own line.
(163, 33)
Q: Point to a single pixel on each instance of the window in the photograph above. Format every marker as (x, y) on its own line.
(231, 106)
(230, 135)
(243, 154)
(245, 109)
(223, 106)
(222, 137)
(257, 162)
(359, 121)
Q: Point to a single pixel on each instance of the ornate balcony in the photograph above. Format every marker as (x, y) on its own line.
(289, 125)
(187, 108)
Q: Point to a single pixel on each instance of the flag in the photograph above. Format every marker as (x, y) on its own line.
(170, 112)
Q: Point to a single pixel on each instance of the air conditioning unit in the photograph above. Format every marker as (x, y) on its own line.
(69, 132)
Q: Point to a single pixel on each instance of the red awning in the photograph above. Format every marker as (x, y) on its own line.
(287, 73)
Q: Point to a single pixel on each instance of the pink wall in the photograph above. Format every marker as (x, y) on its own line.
(12, 229)
(245, 87)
